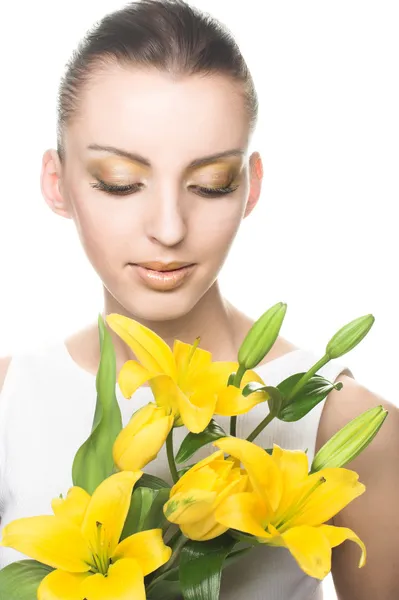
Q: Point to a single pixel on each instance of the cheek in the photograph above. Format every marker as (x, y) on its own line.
(104, 230)
(217, 226)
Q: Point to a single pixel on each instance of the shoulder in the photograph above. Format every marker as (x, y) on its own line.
(4, 364)
(341, 406)
(377, 469)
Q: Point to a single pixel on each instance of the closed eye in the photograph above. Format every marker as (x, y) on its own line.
(131, 188)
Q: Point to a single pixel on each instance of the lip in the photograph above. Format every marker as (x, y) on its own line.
(157, 265)
(163, 276)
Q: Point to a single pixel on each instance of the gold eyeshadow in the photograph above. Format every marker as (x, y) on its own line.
(116, 169)
(119, 170)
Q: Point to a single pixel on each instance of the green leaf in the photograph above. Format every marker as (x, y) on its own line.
(155, 517)
(139, 508)
(167, 588)
(313, 392)
(93, 461)
(20, 580)
(275, 397)
(231, 379)
(194, 441)
(201, 565)
(151, 481)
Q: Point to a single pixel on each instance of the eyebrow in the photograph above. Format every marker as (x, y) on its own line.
(144, 161)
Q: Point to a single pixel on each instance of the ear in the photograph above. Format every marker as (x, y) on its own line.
(255, 183)
(50, 181)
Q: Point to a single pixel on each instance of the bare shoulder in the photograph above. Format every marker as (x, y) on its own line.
(377, 469)
(4, 364)
(341, 406)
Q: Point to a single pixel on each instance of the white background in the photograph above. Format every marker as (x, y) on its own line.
(324, 236)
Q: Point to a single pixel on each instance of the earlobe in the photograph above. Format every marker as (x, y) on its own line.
(50, 184)
(256, 176)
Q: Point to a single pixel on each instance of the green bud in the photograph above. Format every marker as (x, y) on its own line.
(349, 336)
(351, 440)
(261, 337)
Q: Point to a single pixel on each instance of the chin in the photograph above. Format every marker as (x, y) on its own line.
(161, 306)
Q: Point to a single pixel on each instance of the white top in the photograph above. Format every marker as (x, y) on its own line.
(46, 412)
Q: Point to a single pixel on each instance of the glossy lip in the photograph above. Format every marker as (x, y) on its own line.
(157, 265)
(167, 277)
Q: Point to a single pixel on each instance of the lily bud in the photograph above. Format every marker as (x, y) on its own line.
(349, 336)
(261, 337)
(195, 497)
(140, 441)
(351, 440)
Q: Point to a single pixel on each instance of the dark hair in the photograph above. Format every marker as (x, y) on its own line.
(169, 35)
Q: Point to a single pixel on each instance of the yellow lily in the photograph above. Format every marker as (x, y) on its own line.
(288, 507)
(140, 441)
(184, 379)
(195, 497)
(81, 542)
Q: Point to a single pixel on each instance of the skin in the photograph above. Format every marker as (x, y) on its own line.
(172, 122)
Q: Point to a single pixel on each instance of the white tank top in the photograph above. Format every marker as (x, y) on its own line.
(46, 412)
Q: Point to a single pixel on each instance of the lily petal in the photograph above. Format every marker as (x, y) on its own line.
(187, 481)
(59, 584)
(166, 392)
(188, 362)
(147, 547)
(214, 377)
(294, 467)
(51, 540)
(310, 548)
(72, 507)
(337, 535)
(124, 581)
(262, 470)
(149, 348)
(131, 376)
(231, 402)
(252, 375)
(132, 451)
(189, 507)
(108, 507)
(205, 479)
(206, 529)
(244, 512)
(340, 488)
(197, 410)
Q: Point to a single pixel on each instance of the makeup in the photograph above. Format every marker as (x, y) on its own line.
(162, 280)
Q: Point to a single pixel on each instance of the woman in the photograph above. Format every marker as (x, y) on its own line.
(156, 113)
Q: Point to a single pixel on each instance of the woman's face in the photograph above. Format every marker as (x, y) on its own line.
(142, 182)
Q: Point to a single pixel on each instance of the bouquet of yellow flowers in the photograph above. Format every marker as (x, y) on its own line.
(122, 533)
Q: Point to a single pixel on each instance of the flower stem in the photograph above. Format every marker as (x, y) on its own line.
(237, 383)
(233, 426)
(239, 375)
(260, 427)
(305, 378)
(160, 577)
(171, 457)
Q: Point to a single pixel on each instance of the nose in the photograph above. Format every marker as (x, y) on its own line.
(165, 222)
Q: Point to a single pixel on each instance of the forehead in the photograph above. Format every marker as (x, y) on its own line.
(160, 115)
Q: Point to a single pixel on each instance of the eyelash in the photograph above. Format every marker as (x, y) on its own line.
(124, 190)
